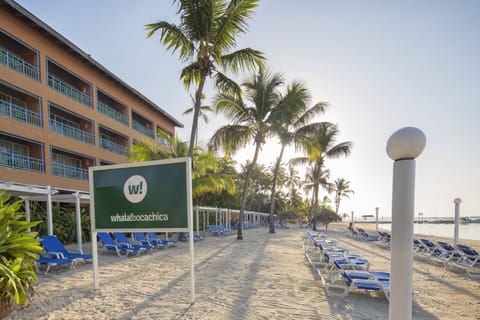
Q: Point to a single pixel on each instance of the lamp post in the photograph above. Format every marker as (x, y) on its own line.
(403, 147)
(376, 219)
(457, 202)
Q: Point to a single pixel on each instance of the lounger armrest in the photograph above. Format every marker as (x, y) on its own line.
(126, 244)
(110, 246)
(58, 255)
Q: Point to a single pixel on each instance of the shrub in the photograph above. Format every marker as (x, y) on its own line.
(18, 251)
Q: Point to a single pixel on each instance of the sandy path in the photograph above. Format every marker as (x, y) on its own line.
(263, 277)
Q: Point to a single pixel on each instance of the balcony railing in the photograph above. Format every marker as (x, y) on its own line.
(16, 63)
(142, 129)
(16, 109)
(63, 170)
(71, 132)
(112, 146)
(112, 113)
(68, 90)
(20, 161)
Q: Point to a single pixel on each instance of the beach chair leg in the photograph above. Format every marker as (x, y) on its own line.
(338, 290)
(473, 275)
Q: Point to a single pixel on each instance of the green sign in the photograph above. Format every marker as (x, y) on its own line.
(148, 195)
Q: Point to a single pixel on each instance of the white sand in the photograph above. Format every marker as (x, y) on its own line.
(262, 277)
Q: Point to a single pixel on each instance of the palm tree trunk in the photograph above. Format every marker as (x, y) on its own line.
(196, 113)
(274, 185)
(316, 189)
(244, 192)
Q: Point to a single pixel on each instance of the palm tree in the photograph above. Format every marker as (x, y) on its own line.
(206, 177)
(320, 145)
(292, 180)
(204, 39)
(316, 176)
(341, 187)
(291, 126)
(147, 150)
(260, 181)
(251, 122)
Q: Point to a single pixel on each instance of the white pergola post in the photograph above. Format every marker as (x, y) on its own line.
(27, 211)
(403, 147)
(457, 202)
(49, 211)
(229, 220)
(204, 221)
(197, 220)
(76, 195)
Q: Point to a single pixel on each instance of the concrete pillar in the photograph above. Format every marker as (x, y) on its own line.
(457, 202)
(403, 147)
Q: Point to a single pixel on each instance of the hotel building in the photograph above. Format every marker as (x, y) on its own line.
(60, 110)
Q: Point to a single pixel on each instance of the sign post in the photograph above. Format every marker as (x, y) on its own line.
(147, 196)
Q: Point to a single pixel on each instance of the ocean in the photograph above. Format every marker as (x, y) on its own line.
(466, 231)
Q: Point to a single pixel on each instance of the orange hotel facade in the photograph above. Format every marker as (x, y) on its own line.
(60, 110)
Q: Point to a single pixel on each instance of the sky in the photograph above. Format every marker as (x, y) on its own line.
(381, 65)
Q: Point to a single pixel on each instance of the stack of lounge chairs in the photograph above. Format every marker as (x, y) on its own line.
(340, 270)
(117, 242)
(363, 235)
(219, 230)
(454, 257)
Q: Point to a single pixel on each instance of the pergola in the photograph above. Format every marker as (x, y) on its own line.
(49, 195)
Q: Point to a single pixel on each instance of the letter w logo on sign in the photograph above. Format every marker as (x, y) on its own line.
(135, 189)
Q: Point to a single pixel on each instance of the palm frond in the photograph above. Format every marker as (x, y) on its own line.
(231, 137)
(230, 105)
(227, 85)
(173, 38)
(246, 59)
(341, 149)
(190, 74)
(232, 21)
(314, 111)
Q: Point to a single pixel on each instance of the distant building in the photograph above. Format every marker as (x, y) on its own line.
(60, 110)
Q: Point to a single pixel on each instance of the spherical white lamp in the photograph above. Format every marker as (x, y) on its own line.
(406, 143)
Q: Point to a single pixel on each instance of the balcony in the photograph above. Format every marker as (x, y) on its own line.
(22, 162)
(67, 171)
(142, 129)
(69, 124)
(18, 64)
(112, 113)
(71, 132)
(69, 90)
(111, 146)
(16, 109)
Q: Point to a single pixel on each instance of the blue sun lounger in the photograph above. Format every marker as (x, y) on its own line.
(359, 280)
(468, 260)
(123, 240)
(48, 261)
(108, 244)
(53, 245)
(165, 242)
(140, 237)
